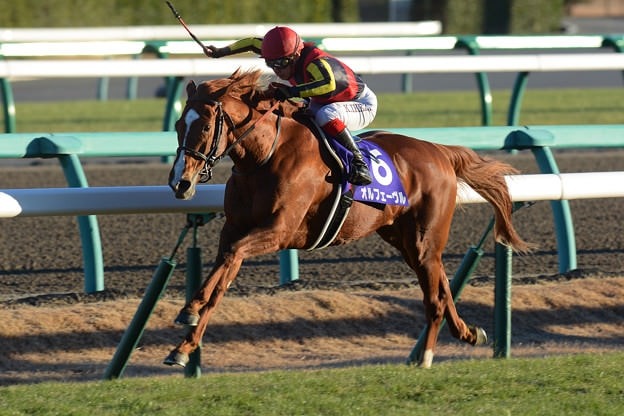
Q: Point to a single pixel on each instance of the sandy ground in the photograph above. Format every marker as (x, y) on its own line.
(305, 329)
(353, 305)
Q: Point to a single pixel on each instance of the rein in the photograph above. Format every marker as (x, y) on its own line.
(210, 160)
(249, 130)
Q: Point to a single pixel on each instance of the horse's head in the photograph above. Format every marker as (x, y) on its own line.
(207, 133)
(203, 131)
(199, 131)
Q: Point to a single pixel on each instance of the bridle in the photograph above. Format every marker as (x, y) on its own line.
(211, 158)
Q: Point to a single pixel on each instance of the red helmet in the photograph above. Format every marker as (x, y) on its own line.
(280, 42)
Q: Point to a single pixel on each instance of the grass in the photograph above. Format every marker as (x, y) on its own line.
(562, 385)
(441, 109)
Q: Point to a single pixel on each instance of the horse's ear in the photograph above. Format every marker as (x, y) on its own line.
(191, 88)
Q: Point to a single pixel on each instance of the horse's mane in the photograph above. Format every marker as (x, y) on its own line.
(241, 85)
(247, 86)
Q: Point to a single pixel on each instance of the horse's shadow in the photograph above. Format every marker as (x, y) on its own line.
(406, 320)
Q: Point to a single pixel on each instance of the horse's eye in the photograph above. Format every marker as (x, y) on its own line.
(205, 128)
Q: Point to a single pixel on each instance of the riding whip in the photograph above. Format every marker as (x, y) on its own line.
(207, 51)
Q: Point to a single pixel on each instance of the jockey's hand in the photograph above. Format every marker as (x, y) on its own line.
(279, 91)
(212, 51)
(304, 104)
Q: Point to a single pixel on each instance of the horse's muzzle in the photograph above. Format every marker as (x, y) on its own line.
(183, 189)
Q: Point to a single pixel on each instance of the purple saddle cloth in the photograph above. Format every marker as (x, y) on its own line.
(386, 187)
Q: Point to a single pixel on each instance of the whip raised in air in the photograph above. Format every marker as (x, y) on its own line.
(207, 51)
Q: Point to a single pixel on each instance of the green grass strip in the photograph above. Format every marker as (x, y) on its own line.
(587, 384)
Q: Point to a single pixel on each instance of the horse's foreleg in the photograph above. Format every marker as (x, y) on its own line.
(222, 274)
(198, 312)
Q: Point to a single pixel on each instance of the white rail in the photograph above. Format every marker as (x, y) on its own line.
(365, 65)
(209, 198)
(172, 32)
(555, 187)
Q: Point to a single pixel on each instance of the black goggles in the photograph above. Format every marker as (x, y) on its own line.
(280, 63)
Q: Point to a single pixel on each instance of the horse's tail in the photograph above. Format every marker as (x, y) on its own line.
(486, 177)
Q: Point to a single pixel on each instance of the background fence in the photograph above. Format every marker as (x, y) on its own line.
(344, 39)
(70, 147)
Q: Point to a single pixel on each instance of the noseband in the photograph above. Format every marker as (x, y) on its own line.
(211, 159)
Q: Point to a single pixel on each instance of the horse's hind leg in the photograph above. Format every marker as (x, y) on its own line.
(439, 304)
(421, 248)
(475, 335)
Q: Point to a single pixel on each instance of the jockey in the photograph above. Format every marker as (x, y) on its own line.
(338, 98)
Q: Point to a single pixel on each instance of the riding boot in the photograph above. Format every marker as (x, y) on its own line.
(359, 170)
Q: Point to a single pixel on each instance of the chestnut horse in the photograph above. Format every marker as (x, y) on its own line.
(278, 197)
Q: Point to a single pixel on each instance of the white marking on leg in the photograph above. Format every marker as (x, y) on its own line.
(427, 359)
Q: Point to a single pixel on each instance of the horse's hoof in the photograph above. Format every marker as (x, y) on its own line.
(480, 335)
(177, 358)
(187, 318)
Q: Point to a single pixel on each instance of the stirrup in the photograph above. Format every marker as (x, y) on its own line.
(359, 175)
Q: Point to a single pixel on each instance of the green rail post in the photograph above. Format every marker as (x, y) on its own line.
(502, 301)
(538, 141)
(8, 106)
(102, 88)
(66, 150)
(407, 79)
(616, 42)
(289, 266)
(88, 226)
(515, 102)
(153, 293)
(132, 84)
(173, 108)
(134, 332)
(485, 94)
(193, 282)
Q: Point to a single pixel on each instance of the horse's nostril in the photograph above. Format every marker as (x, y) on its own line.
(184, 190)
(183, 186)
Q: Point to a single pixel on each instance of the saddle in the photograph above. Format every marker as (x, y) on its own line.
(386, 188)
(342, 194)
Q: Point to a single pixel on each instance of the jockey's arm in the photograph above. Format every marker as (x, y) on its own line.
(244, 45)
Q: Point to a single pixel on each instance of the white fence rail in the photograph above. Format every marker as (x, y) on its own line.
(209, 198)
(172, 32)
(19, 69)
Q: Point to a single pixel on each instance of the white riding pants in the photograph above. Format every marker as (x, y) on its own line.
(354, 114)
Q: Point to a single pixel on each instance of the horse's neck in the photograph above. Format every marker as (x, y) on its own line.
(257, 147)
(263, 141)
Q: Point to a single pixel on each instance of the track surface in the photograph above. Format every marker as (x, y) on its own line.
(51, 330)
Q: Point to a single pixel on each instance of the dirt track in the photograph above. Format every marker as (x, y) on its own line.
(353, 304)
